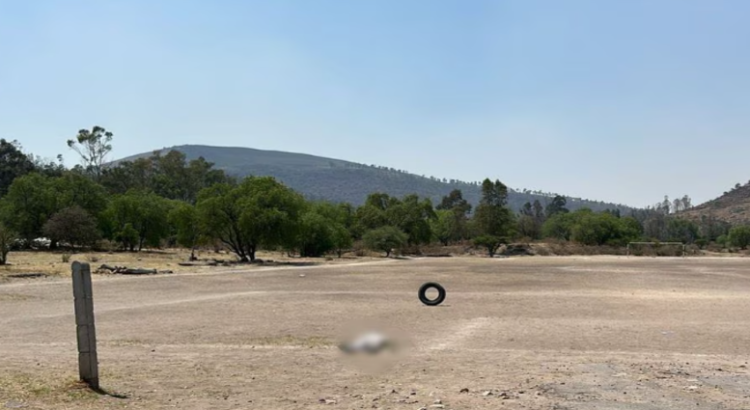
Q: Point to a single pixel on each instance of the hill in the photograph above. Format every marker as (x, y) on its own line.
(344, 181)
(732, 207)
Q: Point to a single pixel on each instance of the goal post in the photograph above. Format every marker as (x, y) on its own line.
(655, 245)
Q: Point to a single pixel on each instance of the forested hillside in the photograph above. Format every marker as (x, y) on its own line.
(344, 181)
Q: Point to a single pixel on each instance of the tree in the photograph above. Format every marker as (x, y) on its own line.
(30, 202)
(531, 220)
(493, 220)
(315, 235)
(13, 164)
(454, 201)
(556, 206)
(73, 226)
(7, 237)
(74, 189)
(145, 213)
(460, 209)
(412, 216)
(444, 227)
(184, 219)
(739, 236)
(528, 227)
(258, 212)
(93, 146)
(385, 239)
(490, 242)
(323, 228)
(560, 225)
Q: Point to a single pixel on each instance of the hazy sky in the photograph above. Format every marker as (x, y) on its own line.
(622, 101)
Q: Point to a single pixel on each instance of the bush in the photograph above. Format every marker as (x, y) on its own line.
(385, 239)
(66, 257)
(73, 226)
(491, 243)
(739, 236)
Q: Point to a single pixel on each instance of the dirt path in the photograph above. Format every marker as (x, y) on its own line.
(534, 333)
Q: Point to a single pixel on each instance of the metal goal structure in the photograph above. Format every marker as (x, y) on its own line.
(654, 245)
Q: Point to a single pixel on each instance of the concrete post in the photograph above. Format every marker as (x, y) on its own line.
(88, 365)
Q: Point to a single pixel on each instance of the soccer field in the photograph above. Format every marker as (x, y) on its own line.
(534, 333)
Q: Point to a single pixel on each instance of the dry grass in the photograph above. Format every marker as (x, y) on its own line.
(22, 390)
(58, 264)
(47, 263)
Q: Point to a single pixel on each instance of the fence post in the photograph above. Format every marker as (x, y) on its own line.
(88, 366)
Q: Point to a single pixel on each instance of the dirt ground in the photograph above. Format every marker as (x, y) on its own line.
(515, 333)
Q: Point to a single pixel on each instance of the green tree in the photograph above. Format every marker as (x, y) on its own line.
(30, 202)
(74, 226)
(74, 189)
(412, 216)
(259, 212)
(493, 220)
(739, 236)
(184, 219)
(556, 206)
(444, 227)
(13, 164)
(323, 228)
(385, 239)
(146, 213)
(315, 235)
(92, 146)
(682, 230)
(489, 242)
(460, 209)
(128, 237)
(559, 226)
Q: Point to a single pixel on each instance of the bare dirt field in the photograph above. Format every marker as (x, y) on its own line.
(517, 333)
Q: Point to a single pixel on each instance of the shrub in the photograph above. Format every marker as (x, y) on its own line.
(74, 226)
(739, 236)
(385, 239)
(490, 242)
(66, 257)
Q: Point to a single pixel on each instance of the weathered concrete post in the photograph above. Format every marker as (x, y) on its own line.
(88, 366)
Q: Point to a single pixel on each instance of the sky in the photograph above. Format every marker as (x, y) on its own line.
(622, 101)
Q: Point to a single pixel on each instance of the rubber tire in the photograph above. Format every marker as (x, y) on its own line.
(431, 302)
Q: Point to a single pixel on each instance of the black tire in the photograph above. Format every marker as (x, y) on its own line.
(423, 294)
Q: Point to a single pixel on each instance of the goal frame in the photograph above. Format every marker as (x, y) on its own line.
(682, 246)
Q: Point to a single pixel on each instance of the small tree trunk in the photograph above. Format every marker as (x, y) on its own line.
(388, 253)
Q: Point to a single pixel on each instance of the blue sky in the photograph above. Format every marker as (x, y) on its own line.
(622, 101)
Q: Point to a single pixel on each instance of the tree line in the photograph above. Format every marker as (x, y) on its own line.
(166, 200)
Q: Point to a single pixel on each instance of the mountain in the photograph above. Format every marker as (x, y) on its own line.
(343, 181)
(732, 207)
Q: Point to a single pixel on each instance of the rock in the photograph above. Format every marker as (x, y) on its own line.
(487, 393)
(464, 390)
(423, 408)
(302, 275)
(437, 406)
(438, 401)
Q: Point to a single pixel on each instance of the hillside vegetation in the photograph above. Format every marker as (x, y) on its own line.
(732, 207)
(343, 181)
